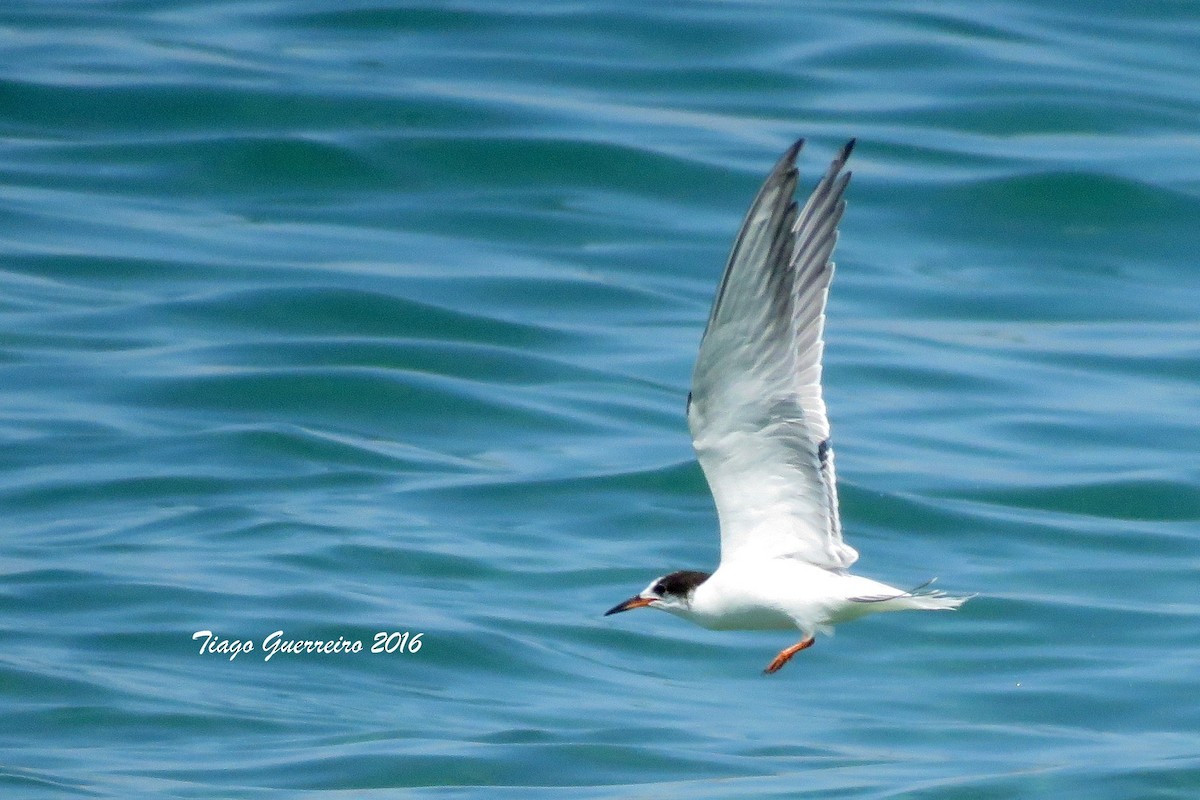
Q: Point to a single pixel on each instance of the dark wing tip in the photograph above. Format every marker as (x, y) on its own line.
(842, 157)
(788, 159)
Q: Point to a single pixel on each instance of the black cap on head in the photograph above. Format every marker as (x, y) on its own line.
(680, 584)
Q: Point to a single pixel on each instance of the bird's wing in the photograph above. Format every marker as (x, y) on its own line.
(756, 413)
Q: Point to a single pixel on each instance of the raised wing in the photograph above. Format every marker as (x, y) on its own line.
(756, 413)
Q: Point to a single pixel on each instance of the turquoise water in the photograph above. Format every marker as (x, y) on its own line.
(359, 318)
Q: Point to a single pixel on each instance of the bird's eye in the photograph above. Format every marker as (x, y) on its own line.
(660, 589)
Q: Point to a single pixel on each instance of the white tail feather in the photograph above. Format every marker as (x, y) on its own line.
(919, 598)
(929, 601)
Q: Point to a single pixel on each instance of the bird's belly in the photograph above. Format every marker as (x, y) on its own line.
(746, 618)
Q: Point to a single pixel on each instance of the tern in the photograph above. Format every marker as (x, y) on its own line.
(761, 434)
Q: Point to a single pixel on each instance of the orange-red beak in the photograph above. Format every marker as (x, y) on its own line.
(637, 601)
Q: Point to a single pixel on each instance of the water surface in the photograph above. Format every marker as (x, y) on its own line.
(379, 318)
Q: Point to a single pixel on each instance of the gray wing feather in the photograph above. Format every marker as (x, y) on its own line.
(756, 410)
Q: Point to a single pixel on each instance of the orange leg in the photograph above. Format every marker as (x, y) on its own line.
(786, 656)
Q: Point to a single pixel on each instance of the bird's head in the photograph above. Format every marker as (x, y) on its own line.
(670, 593)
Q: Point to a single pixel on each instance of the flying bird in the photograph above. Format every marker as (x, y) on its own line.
(761, 434)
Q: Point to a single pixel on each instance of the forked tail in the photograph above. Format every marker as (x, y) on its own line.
(920, 598)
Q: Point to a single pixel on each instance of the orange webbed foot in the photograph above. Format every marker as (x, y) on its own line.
(786, 656)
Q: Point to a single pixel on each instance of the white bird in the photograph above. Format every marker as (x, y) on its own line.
(760, 431)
